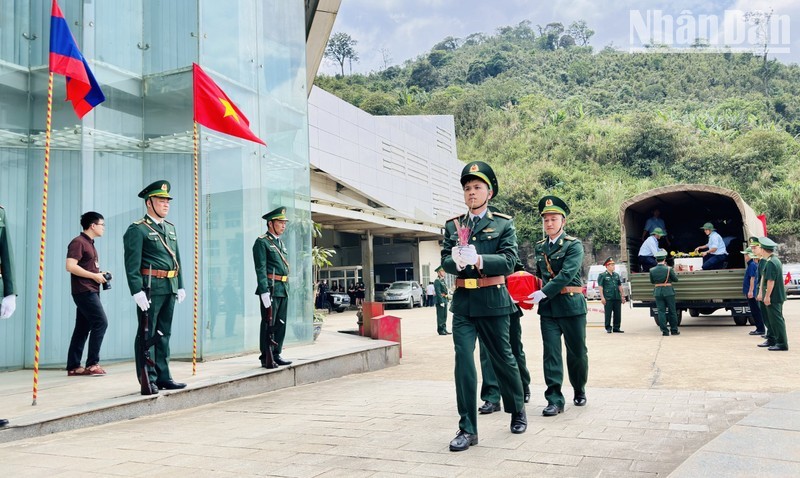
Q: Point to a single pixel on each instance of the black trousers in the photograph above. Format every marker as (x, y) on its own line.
(91, 323)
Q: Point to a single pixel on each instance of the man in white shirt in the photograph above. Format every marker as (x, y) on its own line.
(647, 253)
(716, 254)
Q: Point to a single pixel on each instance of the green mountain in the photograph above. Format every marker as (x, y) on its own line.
(598, 127)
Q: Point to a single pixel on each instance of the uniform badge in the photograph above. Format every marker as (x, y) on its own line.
(474, 168)
(164, 187)
(548, 202)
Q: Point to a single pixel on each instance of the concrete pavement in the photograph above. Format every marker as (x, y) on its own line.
(705, 403)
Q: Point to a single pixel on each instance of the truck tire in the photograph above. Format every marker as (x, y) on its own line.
(694, 312)
(740, 319)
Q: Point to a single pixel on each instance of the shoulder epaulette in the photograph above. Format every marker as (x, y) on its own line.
(570, 238)
(542, 241)
(140, 221)
(263, 236)
(505, 216)
(454, 218)
(1, 206)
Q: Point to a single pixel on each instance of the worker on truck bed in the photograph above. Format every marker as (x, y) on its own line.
(654, 222)
(716, 255)
(649, 248)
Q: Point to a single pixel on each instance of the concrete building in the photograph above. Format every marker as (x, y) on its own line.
(377, 197)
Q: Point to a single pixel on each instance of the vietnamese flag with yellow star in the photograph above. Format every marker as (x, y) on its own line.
(213, 109)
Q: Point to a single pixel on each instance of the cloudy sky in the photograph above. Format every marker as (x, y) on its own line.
(405, 29)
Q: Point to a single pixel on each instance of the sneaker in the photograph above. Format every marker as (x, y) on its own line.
(94, 370)
(76, 372)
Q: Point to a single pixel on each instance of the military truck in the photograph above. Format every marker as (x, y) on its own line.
(685, 208)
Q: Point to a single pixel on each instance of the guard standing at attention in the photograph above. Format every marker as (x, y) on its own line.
(662, 276)
(8, 304)
(612, 295)
(562, 306)
(272, 274)
(480, 248)
(440, 300)
(772, 293)
(152, 256)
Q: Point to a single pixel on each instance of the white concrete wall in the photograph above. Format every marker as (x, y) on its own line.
(407, 163)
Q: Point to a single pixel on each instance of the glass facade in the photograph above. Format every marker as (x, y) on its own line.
(141, 52)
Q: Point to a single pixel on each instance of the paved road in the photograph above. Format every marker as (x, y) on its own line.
(653, 401)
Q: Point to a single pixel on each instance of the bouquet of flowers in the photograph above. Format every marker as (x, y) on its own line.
(684, 254)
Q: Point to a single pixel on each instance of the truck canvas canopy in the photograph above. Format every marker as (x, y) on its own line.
(685, 208)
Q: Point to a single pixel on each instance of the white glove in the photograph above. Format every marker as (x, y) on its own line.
(141, 300)
(181, 295)
(469, 255)
(266, 300)
(8, 306)
(456, 255)
(536, 296)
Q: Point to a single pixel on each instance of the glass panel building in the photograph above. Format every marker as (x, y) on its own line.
(141, 52)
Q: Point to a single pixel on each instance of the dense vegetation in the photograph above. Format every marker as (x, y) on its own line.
(599, 127)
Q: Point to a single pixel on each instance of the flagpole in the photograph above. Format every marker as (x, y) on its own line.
(196, 246)
(42, 238)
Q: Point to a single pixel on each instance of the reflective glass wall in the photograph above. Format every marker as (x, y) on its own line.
(141, 52)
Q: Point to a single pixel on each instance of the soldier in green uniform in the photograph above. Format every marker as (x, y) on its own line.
(611, 295)
(440, 300)
(272, 274)
(662, 276)
(9, 298)
(152, 256)
(772, 293)
(755, 246)
(562, 306)
(480, 248)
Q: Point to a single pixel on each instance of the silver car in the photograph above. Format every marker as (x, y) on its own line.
(791, 278)
(405, 292)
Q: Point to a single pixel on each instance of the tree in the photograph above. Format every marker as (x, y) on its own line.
(549, 35)
(580, 32)
(341, 47)
(448, 44)
(424, 75)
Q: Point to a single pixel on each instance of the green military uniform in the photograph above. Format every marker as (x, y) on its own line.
(271, 261)
(440, 289)
(769, 335)
(490, 389)
(665, 294)
(6, 273)
(6, 263)
(773, 271)
(563, 310)
(483, 311)
(610, 282)
(150, 246)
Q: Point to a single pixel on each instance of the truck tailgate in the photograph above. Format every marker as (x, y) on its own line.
(696, 285)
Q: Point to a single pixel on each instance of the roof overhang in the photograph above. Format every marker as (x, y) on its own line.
(320, 16)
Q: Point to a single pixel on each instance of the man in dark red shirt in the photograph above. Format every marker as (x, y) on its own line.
(90, 320)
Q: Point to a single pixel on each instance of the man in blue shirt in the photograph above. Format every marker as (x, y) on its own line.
(749, 289)
(647, 253)
(652, 223)
(716, 255)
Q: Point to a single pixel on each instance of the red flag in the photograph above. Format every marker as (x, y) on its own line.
(213, 109)
(763, 219)
(788, 278)
(65, 59)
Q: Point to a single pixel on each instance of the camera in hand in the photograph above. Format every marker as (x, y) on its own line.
(107, 277)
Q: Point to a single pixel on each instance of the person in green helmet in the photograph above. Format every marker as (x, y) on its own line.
(715, 254)
(772, 294)
(562, 306)
(662, 277)
(480, 249)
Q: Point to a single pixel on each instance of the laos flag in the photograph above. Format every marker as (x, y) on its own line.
(65, 59)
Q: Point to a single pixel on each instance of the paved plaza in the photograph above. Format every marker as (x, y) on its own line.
(705, 403)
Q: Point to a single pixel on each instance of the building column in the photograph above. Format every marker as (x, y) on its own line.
(368, 266)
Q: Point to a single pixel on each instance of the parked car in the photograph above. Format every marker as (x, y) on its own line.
(404, 292)
(791, 274)
(380, 289)
(338, 301)
(593, 292)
